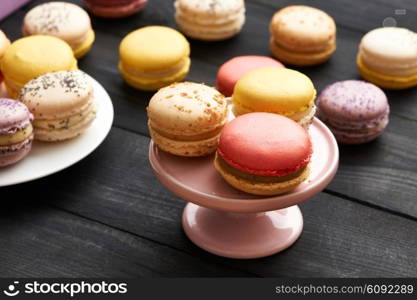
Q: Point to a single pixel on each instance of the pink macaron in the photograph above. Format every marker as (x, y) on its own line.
(115, 8)
(355, 111)
(16, 132)
(232, 70)
(263, 153)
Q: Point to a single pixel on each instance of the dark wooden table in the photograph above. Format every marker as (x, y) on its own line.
(108, 216)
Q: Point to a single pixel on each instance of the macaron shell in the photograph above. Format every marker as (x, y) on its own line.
(232, 70)
(61, 19)
(14, 116)
(276, 90)
(187, 109)
(303, 28)
(25, 58)
(210, 11)
(82, 49)
(115, 9)
(353, 100)
(265, 144)
(153, 48)
(391, 46)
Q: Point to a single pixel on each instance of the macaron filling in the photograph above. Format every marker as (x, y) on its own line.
(184, 63)
(258, 178)
(16, 137)
(188, 138)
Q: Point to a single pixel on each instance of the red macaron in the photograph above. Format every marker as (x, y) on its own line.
(115, 8)
(263, 153)
(232, 70)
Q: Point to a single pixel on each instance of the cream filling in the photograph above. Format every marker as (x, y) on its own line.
(17, 137)
(157, 74)
(389, 68)
(66, 122)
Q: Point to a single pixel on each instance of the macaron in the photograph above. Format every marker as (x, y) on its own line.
(302, 35)
(276, 90)
(186, 118)
(232, 70)
(355, 111)
(16, 132)
(32, 56)
(153, 57)
(254, 157)
(210, 20)
(63, 20)
(387, 57)
(115, 8)
(62, 103)
(4, 44)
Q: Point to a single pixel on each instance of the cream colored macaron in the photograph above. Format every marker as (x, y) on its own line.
(66, 21)
(186, 118)
(302, 35)
(62, 103)
(388, 57)
(210, 20)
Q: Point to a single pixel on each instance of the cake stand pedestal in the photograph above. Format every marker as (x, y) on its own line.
(231, 223)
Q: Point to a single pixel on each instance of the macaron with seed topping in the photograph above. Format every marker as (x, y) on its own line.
(63, 20)
(186, 118)
(16, 132)
(355, 111)
(62, 103)
(263, 154)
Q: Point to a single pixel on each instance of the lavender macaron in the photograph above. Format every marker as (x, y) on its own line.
(16, 132)
(355, 111)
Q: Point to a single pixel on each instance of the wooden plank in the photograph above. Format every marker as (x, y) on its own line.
(39, 241)
(116, 186)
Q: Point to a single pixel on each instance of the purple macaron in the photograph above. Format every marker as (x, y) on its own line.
(16, 134)
(355, 111)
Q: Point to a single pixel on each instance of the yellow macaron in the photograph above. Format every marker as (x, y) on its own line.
(387, 57)
(66, 21)
(276, 90)
(32, 56)
(153, 57)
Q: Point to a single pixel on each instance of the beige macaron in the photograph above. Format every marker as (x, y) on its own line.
(302, 35)
(62, 103)
(66, 21)
(210, 20)
(186, 118)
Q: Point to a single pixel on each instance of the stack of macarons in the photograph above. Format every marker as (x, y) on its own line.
(153, 57)
(210, 20)
(32, 56)
(66, 21)
(62, 103)
(115, 8)
(276, 90)
(186, 118)
(16, 132)
(232, 70)
(388, 57)
(263, 154)
(355, 111)
(302, 35)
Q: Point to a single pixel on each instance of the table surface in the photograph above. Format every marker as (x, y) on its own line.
(109, 216)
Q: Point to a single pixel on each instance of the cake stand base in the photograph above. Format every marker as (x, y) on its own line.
(241, 235)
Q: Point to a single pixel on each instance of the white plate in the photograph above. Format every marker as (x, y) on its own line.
(48, 158)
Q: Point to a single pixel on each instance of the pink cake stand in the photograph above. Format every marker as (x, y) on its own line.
(230, 223)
